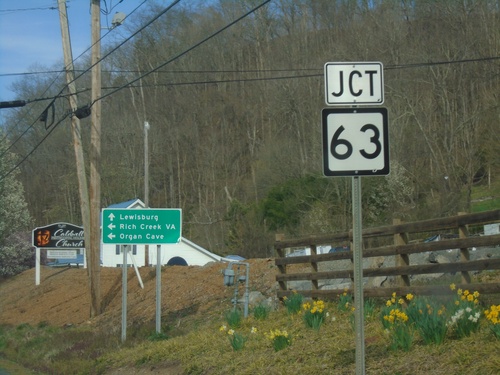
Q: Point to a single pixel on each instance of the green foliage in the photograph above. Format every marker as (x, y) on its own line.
(260, 312)
(280, 339)
(233, 318)
(314, 315)
(345, 301)
(16, 254)
(236, 340)
(465, 317)
(158, 336)
(431, 321)
(293, 303)
(286, 203)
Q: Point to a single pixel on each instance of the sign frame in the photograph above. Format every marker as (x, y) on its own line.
(364, 86)
(372, 136)
(148, 226)
(58, 236)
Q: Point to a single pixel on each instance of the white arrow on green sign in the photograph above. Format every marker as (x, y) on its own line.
(141, 226)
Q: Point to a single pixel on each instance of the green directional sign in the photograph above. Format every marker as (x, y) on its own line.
(141, 226)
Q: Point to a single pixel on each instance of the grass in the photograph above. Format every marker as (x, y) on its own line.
(203, 348)
(200, 347)
(486, 198)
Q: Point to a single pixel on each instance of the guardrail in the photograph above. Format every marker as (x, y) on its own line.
(394, 241)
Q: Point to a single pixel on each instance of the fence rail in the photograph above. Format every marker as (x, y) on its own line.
(400, 248)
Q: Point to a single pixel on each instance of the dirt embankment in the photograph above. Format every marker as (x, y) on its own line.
(63, 298)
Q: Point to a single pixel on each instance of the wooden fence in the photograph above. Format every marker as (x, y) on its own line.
(398, 240)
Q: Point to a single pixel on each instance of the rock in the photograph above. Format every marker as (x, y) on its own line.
(255, 298)
(376, 282)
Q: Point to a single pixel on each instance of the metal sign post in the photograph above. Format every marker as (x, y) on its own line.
(357, 240)
(141, 227)
(124, 293)
(355, 143)
(158, 288)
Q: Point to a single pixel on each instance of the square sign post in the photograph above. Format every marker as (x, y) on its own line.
(355, 143)
(141, 227)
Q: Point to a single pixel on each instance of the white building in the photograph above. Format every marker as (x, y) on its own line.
(183, 253)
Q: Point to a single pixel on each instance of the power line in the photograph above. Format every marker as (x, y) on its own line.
(66, 85)
(150, 72)
(386, 67)
(157, 69)
(35, 148)
(186, 51)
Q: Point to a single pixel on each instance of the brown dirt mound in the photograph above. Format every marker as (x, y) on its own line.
(63, 297)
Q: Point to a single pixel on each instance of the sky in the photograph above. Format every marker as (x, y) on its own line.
(30, 35)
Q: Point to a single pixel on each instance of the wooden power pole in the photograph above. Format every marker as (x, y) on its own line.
(95, 164)
(75, 122)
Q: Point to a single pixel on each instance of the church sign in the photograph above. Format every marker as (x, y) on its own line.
(59, 236)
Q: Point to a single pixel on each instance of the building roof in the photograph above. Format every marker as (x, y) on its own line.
(202, 250)
(133, 203)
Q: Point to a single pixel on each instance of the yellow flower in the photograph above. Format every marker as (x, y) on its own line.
(253, 330)
(230, 332)
(466, 292)
(470, 298)
(409, 297)
(222, 328)
(401, 301)
(459, 292)
(453, 286)
(476, 294)
(388, 303)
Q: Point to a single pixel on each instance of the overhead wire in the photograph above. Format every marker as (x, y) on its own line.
(153, 70)
(184, 52)
(60, 94)
(36, 146)
(157, 69)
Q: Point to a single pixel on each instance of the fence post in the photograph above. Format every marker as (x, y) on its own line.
(314, 265)
(401, 259)
(463, 232)
(281, 253)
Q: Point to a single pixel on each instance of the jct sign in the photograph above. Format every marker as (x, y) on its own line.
(59, 236)
(356, 83)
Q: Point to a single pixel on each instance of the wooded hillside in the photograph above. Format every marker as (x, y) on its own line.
(235, 138)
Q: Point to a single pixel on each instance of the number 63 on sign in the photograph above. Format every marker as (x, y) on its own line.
(355, 142)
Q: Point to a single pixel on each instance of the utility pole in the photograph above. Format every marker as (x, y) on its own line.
(75, 123)
(146, 182)
(95, 164)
